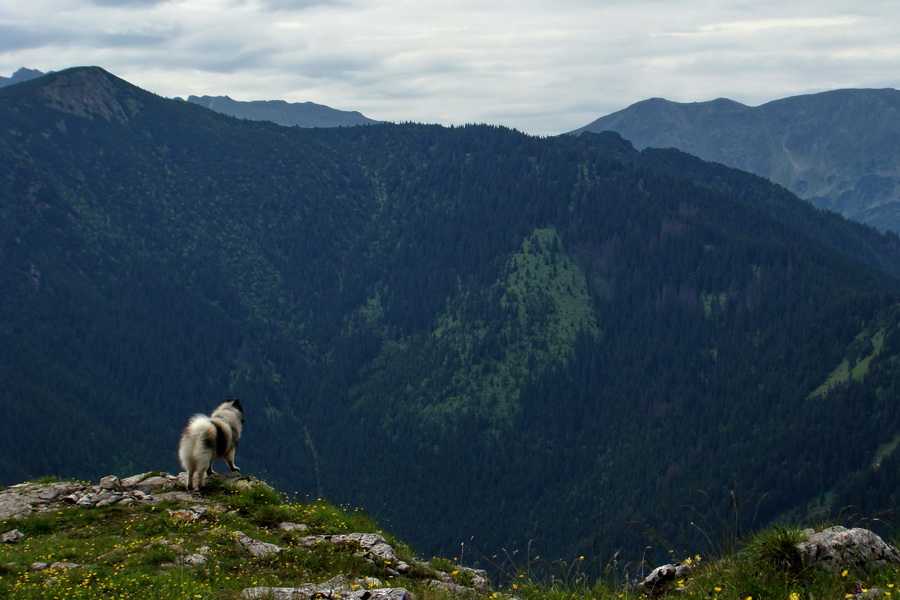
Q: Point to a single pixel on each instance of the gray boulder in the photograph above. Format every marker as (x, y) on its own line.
(664, 578)
(12, 537)
(838, 548)
(257, 548)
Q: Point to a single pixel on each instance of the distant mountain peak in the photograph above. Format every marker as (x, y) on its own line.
(836, 149)
(86, 92)
(21, 74)
(290, 114)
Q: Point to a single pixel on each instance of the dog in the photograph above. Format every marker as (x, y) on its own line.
(207, 439)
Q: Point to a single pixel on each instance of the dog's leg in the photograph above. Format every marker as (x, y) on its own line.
(190, 480)
(229, 458)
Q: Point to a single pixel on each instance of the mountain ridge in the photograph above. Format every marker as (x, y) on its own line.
(289, 114)
(293, 114)
(833, 148)
(21, 74)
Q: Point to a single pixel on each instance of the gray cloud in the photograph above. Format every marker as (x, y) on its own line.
(13, 39)
(538, 66)
(295, 5)
(128, 3)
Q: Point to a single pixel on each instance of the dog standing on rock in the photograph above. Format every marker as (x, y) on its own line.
(207, 439)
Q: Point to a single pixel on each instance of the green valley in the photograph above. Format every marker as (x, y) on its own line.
(484, 339)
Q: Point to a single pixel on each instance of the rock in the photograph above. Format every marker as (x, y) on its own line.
(337, 587)
(110, 482)
(838, 548)
(19, 501)
(255, 547)
(293, 526)
(178, 496)
(661, 579)
(371, 583)
(24, 499)
(39, 566)
(372, 546)
(12, 537)
(187, 514)
(61, 566)
(191, 560)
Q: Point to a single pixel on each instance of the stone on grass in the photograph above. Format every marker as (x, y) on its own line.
(12, 537)
(255, 547)
(838, 548)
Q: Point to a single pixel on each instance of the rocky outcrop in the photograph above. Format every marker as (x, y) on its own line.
(20, 501)
(339, 587)
(838, 548)
(87, 92)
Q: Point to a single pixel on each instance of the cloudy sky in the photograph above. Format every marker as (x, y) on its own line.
(541, 66)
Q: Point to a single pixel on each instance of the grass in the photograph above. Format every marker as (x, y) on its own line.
(846, 371)
(135, 552)
(132, 552)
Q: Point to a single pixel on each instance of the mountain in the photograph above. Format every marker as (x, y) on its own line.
(837, 149)
(300, 114)
(486, 340)
(20, 75)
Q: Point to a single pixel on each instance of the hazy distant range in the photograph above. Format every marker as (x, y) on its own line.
(291, 114)
(840, 149)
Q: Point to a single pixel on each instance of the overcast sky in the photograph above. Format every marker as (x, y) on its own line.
(542, 67)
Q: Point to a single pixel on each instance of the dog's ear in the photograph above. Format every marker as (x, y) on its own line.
(237, 404)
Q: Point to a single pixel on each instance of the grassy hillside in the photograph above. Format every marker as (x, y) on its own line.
(242, 539)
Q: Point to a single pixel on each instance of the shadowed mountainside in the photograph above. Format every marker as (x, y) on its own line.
(480, 337)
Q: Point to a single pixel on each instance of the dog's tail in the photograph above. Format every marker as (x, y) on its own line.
(196, 441)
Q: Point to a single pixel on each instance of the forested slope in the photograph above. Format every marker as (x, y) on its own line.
(479, 336)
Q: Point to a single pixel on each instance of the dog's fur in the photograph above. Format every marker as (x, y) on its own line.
(207, 439)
